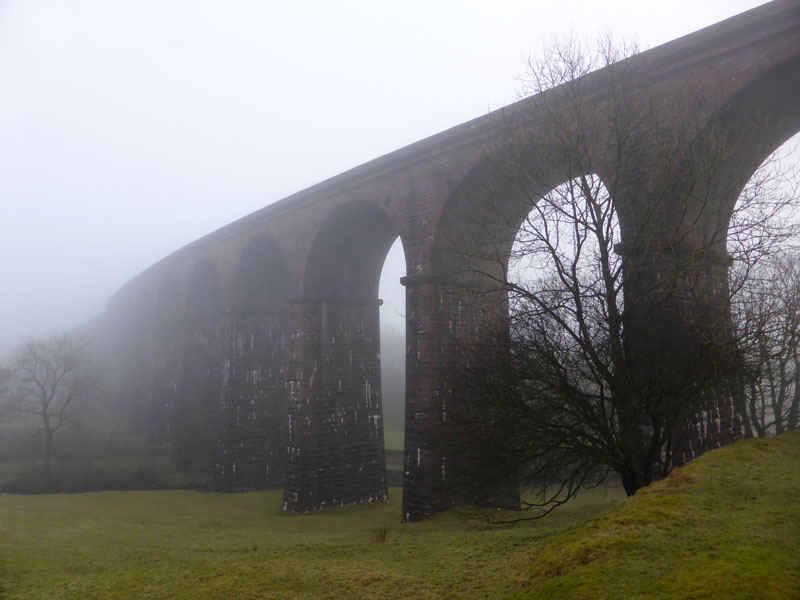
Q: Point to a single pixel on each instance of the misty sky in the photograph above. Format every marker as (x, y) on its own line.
(129, 128)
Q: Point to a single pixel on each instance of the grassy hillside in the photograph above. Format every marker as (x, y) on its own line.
(728, 526)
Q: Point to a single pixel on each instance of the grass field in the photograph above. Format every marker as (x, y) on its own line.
(728, 526)
(393, 439)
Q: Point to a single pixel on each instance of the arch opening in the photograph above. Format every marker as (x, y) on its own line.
(336, 413)
(565, 251)
(262, 278)
(204, 292)
(553, 381)
(393, 354)
(348, 253)
(763, 243)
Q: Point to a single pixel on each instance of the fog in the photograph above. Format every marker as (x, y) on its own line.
(130, 128)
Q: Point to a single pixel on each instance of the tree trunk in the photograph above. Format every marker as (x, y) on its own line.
(48, 454)
(630, 483)
(794, 410)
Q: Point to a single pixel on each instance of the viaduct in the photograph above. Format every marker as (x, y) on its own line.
(254, 351)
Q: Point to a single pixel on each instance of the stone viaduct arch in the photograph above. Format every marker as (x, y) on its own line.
(253, 405)
(274, 318)
(335, 403)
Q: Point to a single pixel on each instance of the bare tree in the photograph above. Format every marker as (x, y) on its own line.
(767, 319)
(766, 296)
(51, 376)
(619, 343)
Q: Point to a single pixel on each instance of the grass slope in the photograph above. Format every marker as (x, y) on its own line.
(727, 528)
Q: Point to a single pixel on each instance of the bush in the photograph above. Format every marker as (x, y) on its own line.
(33, 486)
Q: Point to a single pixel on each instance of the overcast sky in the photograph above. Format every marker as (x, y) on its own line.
(129, 128)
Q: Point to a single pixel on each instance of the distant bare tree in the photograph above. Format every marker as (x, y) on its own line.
(51, 376)
(767, 317)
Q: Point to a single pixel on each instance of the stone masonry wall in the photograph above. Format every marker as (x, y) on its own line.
(164, 382)
(253, 410)
(336, 451)
(194, 428)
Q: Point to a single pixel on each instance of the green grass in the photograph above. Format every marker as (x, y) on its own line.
(730, 528)
(726, 526)
(177, 544)
(393, 439)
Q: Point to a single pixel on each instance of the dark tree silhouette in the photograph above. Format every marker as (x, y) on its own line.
(51, 376)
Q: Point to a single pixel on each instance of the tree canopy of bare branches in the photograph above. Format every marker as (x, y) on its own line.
(52, 376)
(766, 315)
